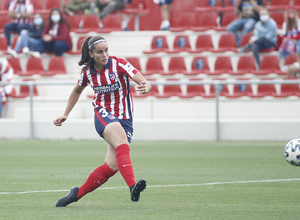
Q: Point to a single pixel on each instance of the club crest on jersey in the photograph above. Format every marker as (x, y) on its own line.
(112, 76)
(107, 88)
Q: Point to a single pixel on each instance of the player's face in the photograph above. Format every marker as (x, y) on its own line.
(100, 54)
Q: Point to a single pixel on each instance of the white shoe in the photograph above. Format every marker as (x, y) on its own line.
(25, 50)
(13, 53)
(35, 54)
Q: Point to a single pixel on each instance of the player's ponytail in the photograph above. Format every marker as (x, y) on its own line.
(88, 45)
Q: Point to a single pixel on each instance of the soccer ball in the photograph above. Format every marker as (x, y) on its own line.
(292, 152)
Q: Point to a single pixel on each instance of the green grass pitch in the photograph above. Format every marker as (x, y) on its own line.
(185, 180)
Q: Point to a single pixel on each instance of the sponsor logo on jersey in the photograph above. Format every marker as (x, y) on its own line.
(107, 88)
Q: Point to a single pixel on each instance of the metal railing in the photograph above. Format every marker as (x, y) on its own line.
(215, 83)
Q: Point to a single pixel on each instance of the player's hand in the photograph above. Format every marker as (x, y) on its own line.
(144, 87)
(60, 120)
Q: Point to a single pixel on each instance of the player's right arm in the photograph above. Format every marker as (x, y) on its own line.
(73, 98)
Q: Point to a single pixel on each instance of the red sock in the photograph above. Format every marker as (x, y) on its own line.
(124, 164)
(99, 176)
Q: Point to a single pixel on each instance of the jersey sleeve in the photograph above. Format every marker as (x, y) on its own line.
(127, 68)
(83, 81)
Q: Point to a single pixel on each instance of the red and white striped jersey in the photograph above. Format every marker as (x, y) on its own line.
(111, 86)
(26, 7)
(6, 75)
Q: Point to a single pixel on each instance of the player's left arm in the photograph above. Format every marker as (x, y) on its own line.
(143, 84)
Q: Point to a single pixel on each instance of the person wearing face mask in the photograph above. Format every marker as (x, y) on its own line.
(248, 15)
(290, 33)
(20, 11)
(265, 36)
(56, 35)
(30, 40)
(6, 75)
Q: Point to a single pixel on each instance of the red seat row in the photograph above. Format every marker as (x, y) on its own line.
(199, 65)
(181, 43)
(239, 90)
(35, 66)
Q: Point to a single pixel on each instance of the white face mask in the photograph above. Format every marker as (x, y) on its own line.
(38, 21)
(55, 18)
(264, 18)
(0, 61)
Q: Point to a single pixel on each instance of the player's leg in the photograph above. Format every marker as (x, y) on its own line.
(115, 135)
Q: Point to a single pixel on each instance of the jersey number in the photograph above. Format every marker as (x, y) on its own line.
(103, 112)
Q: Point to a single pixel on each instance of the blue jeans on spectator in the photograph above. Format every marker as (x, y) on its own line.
(57, 46)
(245, 25)
(9, 27)
(25, 41)
(261, 43)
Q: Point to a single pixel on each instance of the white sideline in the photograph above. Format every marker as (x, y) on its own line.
(164, 186)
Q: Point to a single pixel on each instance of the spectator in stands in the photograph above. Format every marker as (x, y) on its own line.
(31, 39)
(265, 36)
(290, 33)
(6, 75)
(20, 11)
(248, 12)
(126, 18)
(109, 77)
(165, 8)
(85, 6)
(56, 34)
(108, 6)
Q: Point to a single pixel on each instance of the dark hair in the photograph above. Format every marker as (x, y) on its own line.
(62, 19)
(41, 27)
(85, 48)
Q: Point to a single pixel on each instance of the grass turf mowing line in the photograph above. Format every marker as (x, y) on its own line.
(38, 165)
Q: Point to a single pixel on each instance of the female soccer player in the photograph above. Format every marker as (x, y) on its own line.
(109, 78)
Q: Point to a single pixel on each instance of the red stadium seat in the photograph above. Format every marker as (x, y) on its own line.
(287, 90)
(158, 44)
(34, 66)
(111, 22)
(194, 90)
(199, 66)
(3, 20)
(137, 8)
(78, 46)
(269, 64)
(15, 63)
(223, 65)
(171, 90)
(154, 66)
(227, 42)
(186, 21)
(203, 43)
(290, 59)
(245, 39)
(240, 90)
(45, 6)
(90, 23)
(206, 5)
(56, 66)
(4, 4)
(206, 21)
(135, 61)
(176, 65)
(74, 22)
(246, 64)
(181, 44)
(24, 91)
(278, 17)
(264, 90)
(3, 44)
(278, 5)
(227, 18)
(223, 89)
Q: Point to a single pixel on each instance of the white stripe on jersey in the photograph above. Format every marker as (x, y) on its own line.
(128, 68)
